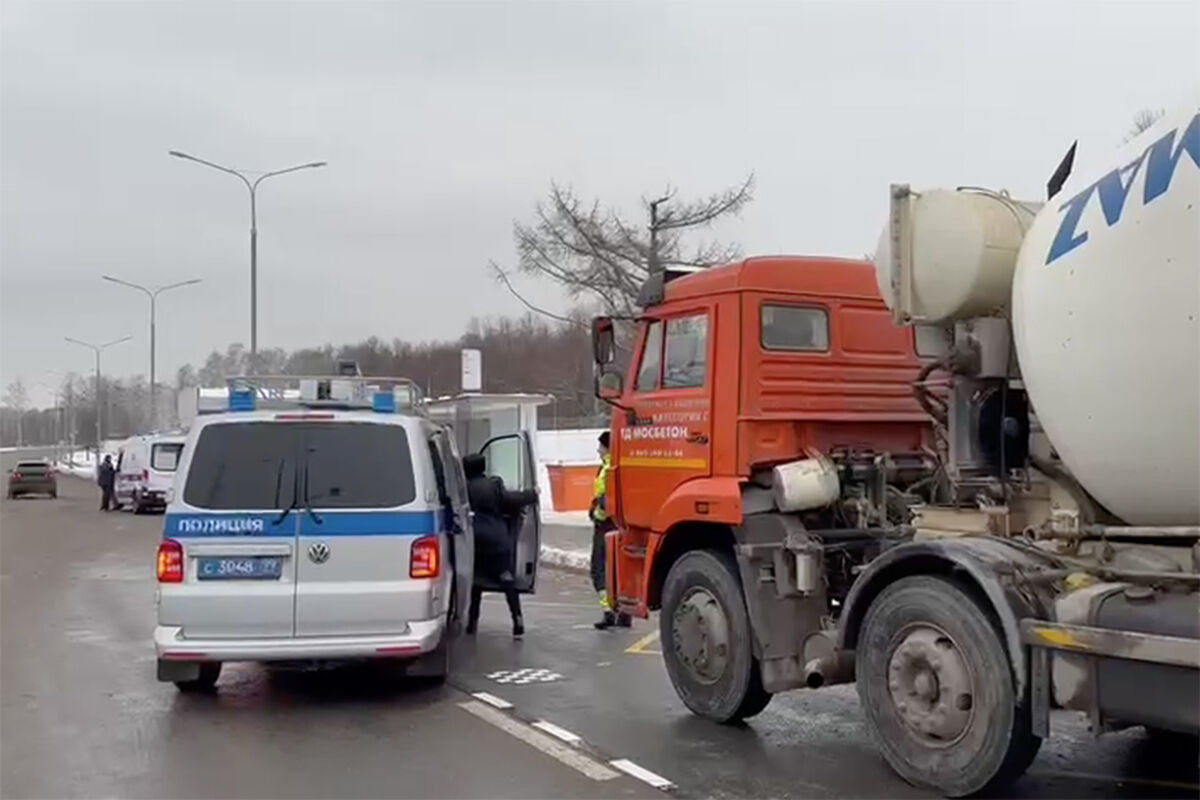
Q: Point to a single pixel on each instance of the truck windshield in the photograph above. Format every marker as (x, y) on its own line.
(165, 457)
(253, 466)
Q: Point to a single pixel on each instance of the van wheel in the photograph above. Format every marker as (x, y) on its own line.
(206, 682)
(705, 632)
(935, 684)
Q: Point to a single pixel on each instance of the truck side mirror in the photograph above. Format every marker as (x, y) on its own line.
(603, 345)
(609, 385)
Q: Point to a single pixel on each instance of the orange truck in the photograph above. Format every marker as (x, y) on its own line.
(804, 505)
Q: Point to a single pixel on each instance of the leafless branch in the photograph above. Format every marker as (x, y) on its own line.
(502, 276)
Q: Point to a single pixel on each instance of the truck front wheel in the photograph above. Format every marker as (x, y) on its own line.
(936, 686)
(706, 639)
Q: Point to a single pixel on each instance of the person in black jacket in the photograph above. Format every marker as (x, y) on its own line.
(497, 519)
(106, 478)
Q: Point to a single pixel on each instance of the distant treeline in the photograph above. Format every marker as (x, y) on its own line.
(527, 354)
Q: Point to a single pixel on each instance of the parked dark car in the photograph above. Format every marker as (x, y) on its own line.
(32, 477)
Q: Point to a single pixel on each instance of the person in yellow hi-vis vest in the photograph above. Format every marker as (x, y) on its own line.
(601, 524)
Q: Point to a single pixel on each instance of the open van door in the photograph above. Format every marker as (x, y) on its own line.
(511, 459)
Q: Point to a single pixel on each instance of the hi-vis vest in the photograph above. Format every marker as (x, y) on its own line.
(599, 486)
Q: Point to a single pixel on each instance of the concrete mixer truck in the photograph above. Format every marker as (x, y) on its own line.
(978, 499)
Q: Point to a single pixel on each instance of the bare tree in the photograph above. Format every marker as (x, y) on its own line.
(16, 397)
(1143, 120)
(598, 255)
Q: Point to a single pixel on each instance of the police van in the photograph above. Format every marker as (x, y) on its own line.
(315, 520)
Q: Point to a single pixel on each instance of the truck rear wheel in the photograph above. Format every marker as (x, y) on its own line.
(706, 639)
(935, 684)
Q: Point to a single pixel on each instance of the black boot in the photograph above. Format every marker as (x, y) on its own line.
(607, 621)
(624, 620)
(518, 627)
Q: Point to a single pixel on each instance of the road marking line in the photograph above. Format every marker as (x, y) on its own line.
(555, 749)
(557, 732)
(492, 700)
(1095, 776)
(642, 774)
(641, 644)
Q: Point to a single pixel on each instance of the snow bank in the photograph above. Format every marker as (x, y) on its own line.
(566, 560)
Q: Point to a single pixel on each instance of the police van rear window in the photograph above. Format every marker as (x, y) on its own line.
(263, 465)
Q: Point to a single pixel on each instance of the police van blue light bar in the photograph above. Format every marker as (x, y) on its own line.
(241, 400)
(383, 402)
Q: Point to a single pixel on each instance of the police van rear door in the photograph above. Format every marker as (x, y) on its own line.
(511, 458)
(239, 540)
(360, 517)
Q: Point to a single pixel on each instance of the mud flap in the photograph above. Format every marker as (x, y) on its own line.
(435, 663)
(178, 671)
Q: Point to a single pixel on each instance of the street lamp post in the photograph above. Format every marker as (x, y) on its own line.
(152, 292)
(97, 348)
(252, 186)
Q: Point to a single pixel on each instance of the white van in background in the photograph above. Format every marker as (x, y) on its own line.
(146, 469)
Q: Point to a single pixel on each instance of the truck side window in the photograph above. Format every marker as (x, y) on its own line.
(687, 352)
(647, 377)
(794, 328)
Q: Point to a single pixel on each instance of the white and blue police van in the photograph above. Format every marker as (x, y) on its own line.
(314, 521)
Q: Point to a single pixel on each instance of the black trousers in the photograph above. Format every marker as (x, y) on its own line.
(510, 594)
(107, 500)
(599, 529)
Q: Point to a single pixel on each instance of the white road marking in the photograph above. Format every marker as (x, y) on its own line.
(523, 676)
(557, 732)
(492, 700)
(642, 774)
(555, 749)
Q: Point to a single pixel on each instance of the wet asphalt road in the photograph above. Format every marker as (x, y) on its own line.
(83, 716)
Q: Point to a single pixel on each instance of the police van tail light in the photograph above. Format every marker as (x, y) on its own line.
(170, 561)
(426, 560)
(145, 475)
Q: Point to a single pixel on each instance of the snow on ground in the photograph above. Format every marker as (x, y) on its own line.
(569, 560)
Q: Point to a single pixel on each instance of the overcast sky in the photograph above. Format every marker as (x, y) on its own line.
(443, 122)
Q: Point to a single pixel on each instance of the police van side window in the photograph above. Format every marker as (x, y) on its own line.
(439, 473)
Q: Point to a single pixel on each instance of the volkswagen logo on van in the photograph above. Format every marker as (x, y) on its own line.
(318, 553)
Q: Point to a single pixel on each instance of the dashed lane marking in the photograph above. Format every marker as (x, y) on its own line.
(557, 732)
(642, 774)
(569, 756)
(492, 700)
(641, 645)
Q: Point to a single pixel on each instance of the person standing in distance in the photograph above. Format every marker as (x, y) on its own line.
(106, 479)
(601, 524)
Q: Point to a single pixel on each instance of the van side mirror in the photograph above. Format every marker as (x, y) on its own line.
(610, 385)
(603, 340)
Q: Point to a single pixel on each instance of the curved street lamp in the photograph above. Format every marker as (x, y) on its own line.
(252, 187)
(152, 292)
